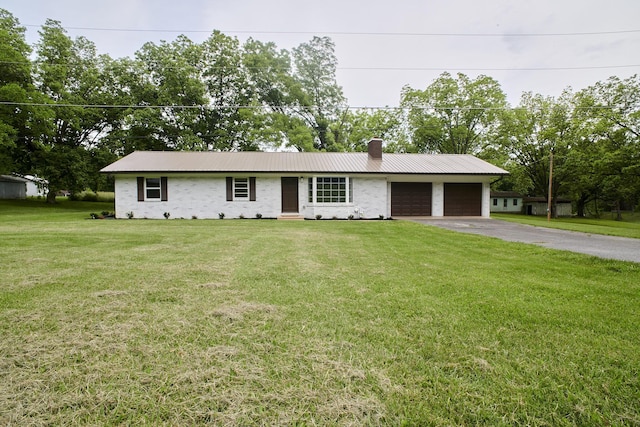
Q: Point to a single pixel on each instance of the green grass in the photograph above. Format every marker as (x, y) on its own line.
(628, 227)
(259, 322)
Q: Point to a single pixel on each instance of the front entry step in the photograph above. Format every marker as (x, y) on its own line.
(293, 216)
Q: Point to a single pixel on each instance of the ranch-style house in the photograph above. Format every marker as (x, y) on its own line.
(160, 184)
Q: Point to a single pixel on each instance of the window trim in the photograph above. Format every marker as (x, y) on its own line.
(312, 192)
(232, 189)
(143, 188)
(152, 185)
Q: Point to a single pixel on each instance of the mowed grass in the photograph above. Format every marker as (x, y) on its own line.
(628, 227)
(260, 322)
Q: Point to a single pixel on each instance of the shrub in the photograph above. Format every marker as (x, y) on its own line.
(105, 196)
(166, 215)
(130, 215)
(258, 216)
(87, 196)
(90, 196)
(221, 215)
(318, 216)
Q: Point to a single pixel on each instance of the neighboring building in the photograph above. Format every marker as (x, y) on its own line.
(301, 185)
(36, 187)
(506, 201)
(13, 187)
(539, 205)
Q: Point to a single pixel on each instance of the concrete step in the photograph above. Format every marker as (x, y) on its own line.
(290, 217)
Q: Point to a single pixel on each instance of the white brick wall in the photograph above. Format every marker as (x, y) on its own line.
(437, 199)
(200, 196)
(204, 196)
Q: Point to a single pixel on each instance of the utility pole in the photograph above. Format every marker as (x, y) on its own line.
(550, 186)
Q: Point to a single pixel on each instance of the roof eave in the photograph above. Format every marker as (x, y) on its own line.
(132, 172)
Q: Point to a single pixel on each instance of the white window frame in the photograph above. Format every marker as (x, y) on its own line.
(348, 190)
(148, 188)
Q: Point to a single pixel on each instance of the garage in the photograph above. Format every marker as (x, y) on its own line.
(410, 199)
(462, 199)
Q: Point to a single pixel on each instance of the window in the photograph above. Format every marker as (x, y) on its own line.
(495, 202)
(323, 189)
(505, 203)
(152, 189)
(515, 202)
(241, 189)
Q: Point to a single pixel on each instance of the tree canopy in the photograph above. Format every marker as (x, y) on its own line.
(454, 115)
(67, 111)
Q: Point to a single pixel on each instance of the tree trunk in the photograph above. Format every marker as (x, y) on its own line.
(581, 205)
(51, 196)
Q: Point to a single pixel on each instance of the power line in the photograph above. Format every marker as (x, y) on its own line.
(172, 67)
(353, 33)
(487, 69)
(283, 107)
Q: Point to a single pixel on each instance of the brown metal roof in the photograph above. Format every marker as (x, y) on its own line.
(284, 162)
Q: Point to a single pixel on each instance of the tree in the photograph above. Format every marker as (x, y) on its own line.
(316, 98)
(232, 118)
(15, 89)
(273, 90)
(529, 134)
(69, 79)
(453, 115)
(167, 94)
(610, 150)
(361, 125)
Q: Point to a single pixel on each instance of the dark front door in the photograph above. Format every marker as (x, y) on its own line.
(289, 194)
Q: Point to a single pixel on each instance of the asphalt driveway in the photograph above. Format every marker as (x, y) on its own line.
(620, 248)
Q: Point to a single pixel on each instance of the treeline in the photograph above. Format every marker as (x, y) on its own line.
(65, 112)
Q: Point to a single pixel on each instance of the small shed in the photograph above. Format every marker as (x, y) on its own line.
(538, 206)
(506, 201)
(13, 187)
(36, 187)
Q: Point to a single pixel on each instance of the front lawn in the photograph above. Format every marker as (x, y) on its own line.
(628, 227)
(261, 322)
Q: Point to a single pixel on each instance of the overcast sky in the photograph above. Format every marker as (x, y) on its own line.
(408, 42)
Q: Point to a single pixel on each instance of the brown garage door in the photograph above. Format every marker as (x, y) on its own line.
(463, 199)
(410, 199)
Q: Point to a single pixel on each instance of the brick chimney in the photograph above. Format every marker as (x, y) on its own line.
(375, 149)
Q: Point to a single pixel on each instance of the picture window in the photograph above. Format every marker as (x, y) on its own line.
(330, 190)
